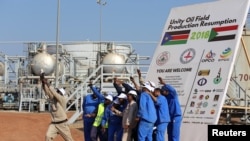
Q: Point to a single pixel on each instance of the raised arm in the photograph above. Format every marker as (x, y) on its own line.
(117, 86)
(137, 87)
(96, 91)
(153, 97)
(127, 87)
(141, 80)
(45, 85)
(170, 88)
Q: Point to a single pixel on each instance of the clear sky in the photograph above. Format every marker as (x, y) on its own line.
(132, 21)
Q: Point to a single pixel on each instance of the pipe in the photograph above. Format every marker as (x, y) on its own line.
(36, 77)
(245, 50)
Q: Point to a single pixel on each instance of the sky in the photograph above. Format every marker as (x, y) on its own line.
(133, 21)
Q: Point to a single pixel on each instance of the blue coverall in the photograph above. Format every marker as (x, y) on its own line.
(163, 117)
(114, 123)
(89, 106)
(148, 117)
(175, 113)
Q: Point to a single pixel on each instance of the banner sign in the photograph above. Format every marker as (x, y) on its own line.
(196, 54)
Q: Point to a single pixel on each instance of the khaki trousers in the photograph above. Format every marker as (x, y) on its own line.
(55, 129)
(127, 134)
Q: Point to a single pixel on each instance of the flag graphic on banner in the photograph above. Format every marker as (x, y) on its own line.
(223, 33)
(175, 37)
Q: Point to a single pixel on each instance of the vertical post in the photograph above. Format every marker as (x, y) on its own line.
(6, 73)
(57, 41)
(100, 36)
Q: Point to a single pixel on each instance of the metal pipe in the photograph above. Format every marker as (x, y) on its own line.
(35, 77)
(245, 50)
(20, 97)
(57, 40)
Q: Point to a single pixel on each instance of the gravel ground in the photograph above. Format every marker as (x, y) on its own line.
(28, 126)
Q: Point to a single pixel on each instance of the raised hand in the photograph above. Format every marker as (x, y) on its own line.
(139, 72)
(161, 81)
(132, 79)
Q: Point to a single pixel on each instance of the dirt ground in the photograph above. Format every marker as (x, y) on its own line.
(28, 126)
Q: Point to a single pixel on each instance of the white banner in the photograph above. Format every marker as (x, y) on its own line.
(196, 55)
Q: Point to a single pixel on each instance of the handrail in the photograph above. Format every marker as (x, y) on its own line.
(238, 85)
(81, 87)
(233, 81)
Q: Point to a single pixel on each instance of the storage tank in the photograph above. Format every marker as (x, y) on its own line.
(113, 59)
(43, 61)
(2, 68)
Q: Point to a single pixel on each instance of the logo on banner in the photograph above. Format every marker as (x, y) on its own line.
(212, 112)
(203, 72)
(218, 78)
(226, 53)
(209, 57)
(202, 82)
(175, 37)
(223, 33)
(162, 58)
(216, 97)
(205, 104)
(187, 56)
(224, 56)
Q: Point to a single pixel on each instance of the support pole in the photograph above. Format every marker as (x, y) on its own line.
(57, 41)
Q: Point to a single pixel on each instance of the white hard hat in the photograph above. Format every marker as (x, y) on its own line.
(132, 92)
(122, 95)
(110, 93)
(148, 87)
(109, 97)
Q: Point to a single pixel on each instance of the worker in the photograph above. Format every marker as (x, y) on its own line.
(146, 114)
(162, 111)
(97, 131)
(58, 123)
(175, 111)
(89, 106)
(113, 120)
(129, 116)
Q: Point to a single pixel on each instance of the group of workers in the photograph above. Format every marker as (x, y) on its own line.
(142, 112)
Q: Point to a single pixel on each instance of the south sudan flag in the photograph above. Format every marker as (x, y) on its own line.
(175, 37)
(223, 33)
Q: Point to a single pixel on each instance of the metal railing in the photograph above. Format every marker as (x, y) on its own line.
(236, 94)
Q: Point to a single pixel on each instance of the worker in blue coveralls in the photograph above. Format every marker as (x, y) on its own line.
(89, 106)
(175, 112)
(146, 114)
(115, 129)
(162, 111)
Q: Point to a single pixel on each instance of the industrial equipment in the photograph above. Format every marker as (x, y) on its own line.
(77, 64)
